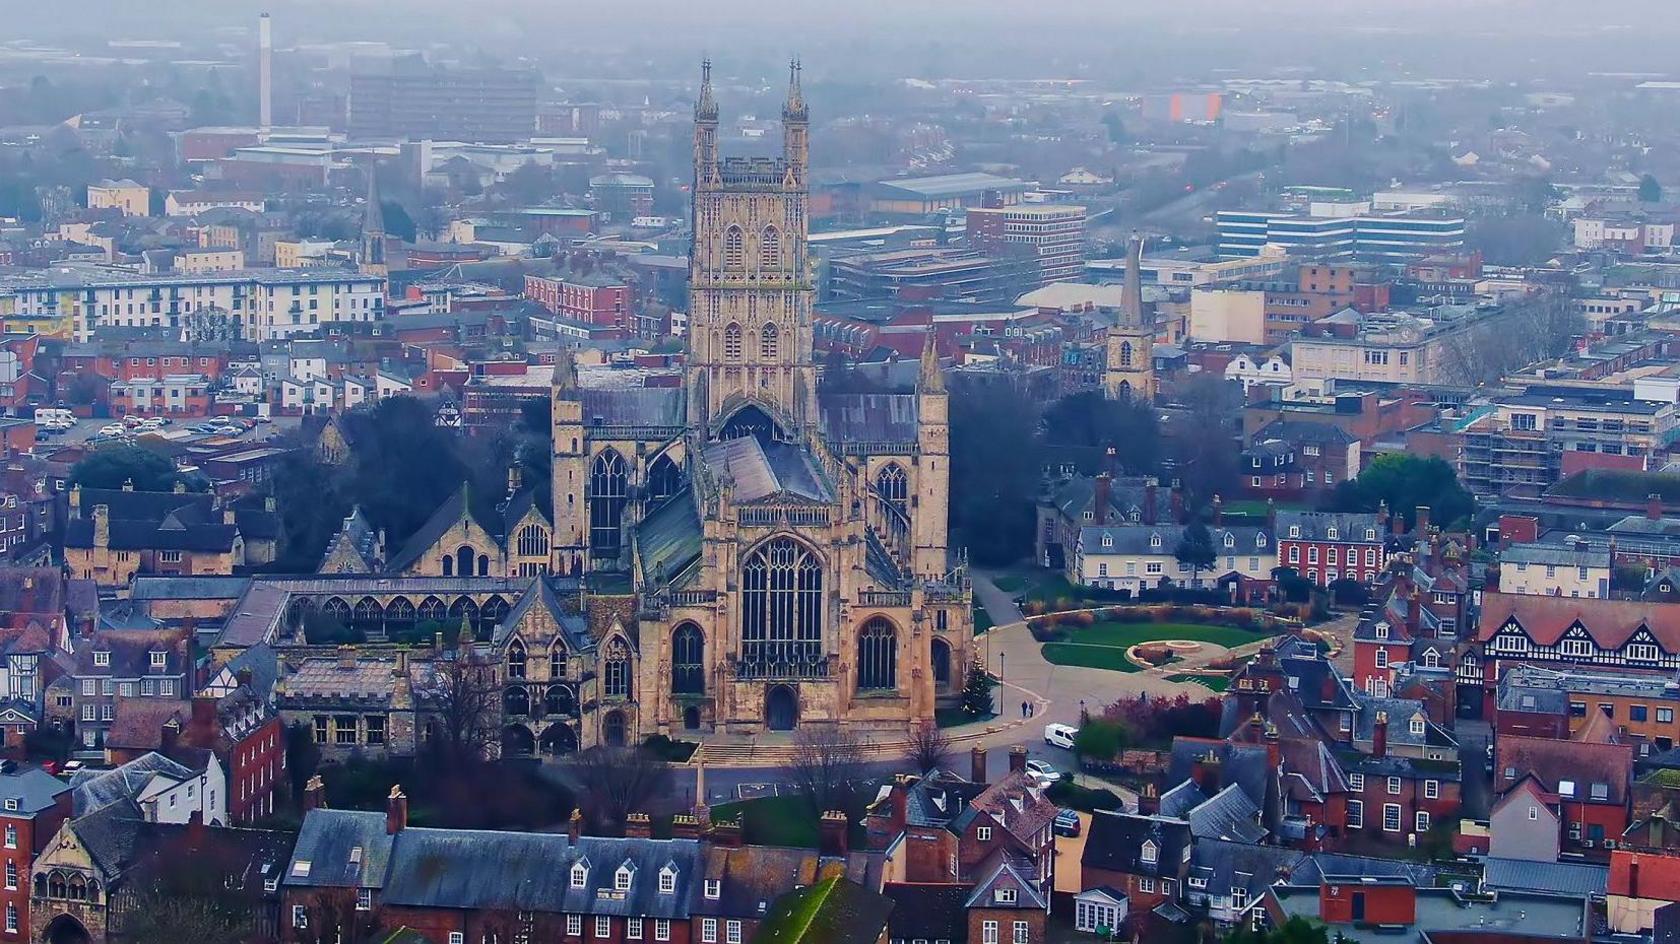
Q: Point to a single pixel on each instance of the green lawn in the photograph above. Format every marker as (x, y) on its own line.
(773, 821)
(956, 718)
(1217, 683)
(1091, 657)
(1011, 583)
(982, 621)
(1125, 635)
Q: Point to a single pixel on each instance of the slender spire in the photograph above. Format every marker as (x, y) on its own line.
(1131, 297)
(373, 217)
(795, 109)
(705, 109)
(930, 379)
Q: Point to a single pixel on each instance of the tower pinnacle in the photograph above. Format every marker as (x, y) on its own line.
(706, 109)
(794, 109)
(930, 380)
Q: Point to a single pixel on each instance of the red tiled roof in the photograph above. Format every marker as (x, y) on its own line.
(1609, 622)
(1552, 761)
(1659, 875)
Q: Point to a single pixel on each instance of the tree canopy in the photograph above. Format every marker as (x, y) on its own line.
(1406, 481)
(113, 466)
(994, 470)
(1650, 191)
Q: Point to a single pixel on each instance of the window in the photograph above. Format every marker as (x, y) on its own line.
(580, 875)
(1643, 652)
(1422, 821)
(877, 656)
(1418, 727)
(1394, 786)
(1391, 817)
(364, 899)
(984, 834)
(11, 918)
(1382, 658)
(782, 604)
(714, 889)
(1431, 789)
(376, 729)
(732, 932)
(633, 928)
(102, 657)
(1637, 713)
(456, 937)
(989, 932)
(1146, 885)
(574, 925)
(621, 878)
(1356, 814)
(160, 660)
(1665, 715)
(667, 880)
(1356, 782)
(662, 929)
(1005, 896)
(11, 874)
(608, 494)
(769, 343)
(1149, 852)
(11, 836)
(300, 916)
(708, 930)
(1020, 936)
(734, 248)
(603, 926)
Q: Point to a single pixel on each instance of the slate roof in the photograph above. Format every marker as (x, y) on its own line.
(869, 417)
(1009, 872)
(1295, 431)
(188, 588)
(171, 534)
(541, 593)
(668, 539)
(33, 788)
(833, 911)
(1317, 865)
(1115, 842)
(762, 470)
(140, 722)
(325, 842)
(750, 878)
(109, 835)
(1018, 806)
(1400, 712)
(928, 912)
(660, 407)
(447, 515)
(1316, 525)
(1229, 814)
(1223, 865)
(1585, 765)
(1246, 765)
(1560, 878)
(97, 789)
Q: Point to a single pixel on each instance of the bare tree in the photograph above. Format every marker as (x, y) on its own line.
(827, 759)
(929, 747)
(460, 698)
(614, 782)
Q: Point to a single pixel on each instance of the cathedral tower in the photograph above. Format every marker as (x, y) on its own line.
(568, 547)
(929, 521)
(1128, 348)
(750, 294)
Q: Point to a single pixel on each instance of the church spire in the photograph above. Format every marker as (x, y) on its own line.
(929, 378)
(794, 109)
(565, 372)
(373, 227)
(1131, 296)
(705, 108)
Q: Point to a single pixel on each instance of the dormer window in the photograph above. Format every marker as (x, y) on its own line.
(1417, 727)
(160, 660)
(1149, 852)
(1370, 534)
(1230, 540)
(1260, 540)
(11, 804)
(1331, 533)
(1155, 541)
(102, 657)
(1005, 896)
(580, 874)
(714, 889)
(668, 880)
(1382, 630)
(1294, 530)
(621, 878)
(1107, 541)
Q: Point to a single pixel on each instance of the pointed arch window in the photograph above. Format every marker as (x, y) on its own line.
(734, 248)
(557, 660)
(608, 491)
(1125, 353)
(770, 248)
(769, 343)
(732, 343)
(533, 541)
(688, 660)
(781, 604)
(892, 500)
(877, 656)
(516, 659)
(616, 678)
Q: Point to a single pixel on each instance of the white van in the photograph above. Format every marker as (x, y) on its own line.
(1060, 735)
(54, 418)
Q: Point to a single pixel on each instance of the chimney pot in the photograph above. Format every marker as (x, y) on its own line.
(1379, 735)
(396, 811)
(1654, 507)
(638, 826)
(1017, 758)
(834, 827)
(977, 764)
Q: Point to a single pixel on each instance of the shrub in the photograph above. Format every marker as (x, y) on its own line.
(1102, 739)
(1080, 619)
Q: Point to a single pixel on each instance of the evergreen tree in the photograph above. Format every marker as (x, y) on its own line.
(1649, 190)
(1195, 549)
(977, 692)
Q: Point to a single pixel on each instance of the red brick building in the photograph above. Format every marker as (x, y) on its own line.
(1589, 780)
(35, 804)
(595, 298)
(1325, 546)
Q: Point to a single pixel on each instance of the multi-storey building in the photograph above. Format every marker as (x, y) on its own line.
(35, 805)
(1550, 570)
(1052, 235)
(1516, 445)
(1535, 701)
(257, 304)
(1391, 238)
(417, 101)
(1325, 547)
(117, 664)
(131, 198)
(595, 298)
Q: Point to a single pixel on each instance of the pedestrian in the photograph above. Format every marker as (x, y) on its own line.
(1023, 709)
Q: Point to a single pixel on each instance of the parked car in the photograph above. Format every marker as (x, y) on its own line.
(1043, 772)
(1066, 823)
(228, 429)
(113, 429)
(1060, 735)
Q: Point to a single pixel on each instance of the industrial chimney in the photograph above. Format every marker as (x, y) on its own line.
(265, 73)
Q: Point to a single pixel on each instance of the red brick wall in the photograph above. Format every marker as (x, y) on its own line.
(254, 771)
(1382, 904)
(1005, 918)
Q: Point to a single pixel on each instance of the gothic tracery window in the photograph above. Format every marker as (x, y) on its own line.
(533, 541)
(781, 603)
(877, 664)
(1125, 353)
(608, 492)
(734, 248)
(732, 343)
(769, 343)
(770, 248)
(688, 653)
(516, 659)
(615, 681)
(892, 500)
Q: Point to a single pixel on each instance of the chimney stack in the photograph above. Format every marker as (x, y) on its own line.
(1654, 506)
(1150, 486)
(1423, 520)
(977, 764)
(347, 657)
(833, 828)
(265, 73)
(574, 825)
(1218, 511)
(1017, 758)
(195, 829)
(685, 826)
(1177, 502)
(1633, 876)
(1379, 735)
(396, 811)
(314, 794)
(1100, 498)
(1206, 773)
(727, 834)
(638, 826)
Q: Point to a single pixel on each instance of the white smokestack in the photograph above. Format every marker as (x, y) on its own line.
(265, 72)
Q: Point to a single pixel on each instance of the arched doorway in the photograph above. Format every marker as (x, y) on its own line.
(517, 741)
(781, 708)
(65, 929)
(612, 729)
(559, 740)
(691, 718)
(941, 659)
